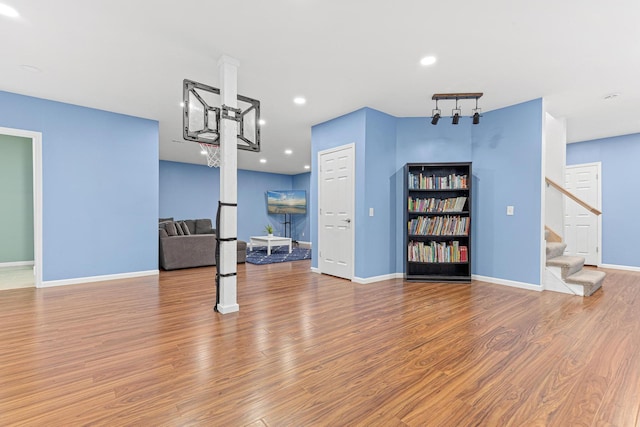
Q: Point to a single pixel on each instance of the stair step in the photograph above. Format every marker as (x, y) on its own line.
(569, 264)
(555, 249)
(590, 279)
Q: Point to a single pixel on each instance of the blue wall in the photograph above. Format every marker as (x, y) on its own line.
(189, 191)
(192, 191)
(507, 169)
(301, 227)
(506, 151)
(100, 187)
(375, 235)
(620, 176)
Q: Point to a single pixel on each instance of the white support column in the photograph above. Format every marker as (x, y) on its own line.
(228, 187)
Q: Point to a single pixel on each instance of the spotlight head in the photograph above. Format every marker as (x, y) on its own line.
(476, 118)
(435, 118)
(456, 117)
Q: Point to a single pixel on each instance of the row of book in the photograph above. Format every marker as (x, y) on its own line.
(432, 182)
(453, 204)
(449, 225)
(437, 252)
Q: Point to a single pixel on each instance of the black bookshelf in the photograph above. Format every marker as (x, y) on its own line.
(438, 222)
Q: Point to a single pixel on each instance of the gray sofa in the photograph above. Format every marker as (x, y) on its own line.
(190, 243)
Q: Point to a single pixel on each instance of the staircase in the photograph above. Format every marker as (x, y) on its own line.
(566, 274)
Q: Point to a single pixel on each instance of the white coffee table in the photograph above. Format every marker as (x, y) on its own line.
(270, 241)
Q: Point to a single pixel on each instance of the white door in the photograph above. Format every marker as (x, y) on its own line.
(581, 227)
(335, 214)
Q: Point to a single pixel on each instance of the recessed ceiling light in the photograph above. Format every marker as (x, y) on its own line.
(182, 105)
(8, 11)
(611, 96)
(428, 60)
(307, 167)
(288, 151)
(262, 122)
(31, 68)
(263, 160)
(299, 100)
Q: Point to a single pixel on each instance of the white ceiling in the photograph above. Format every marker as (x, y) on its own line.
(131, 57)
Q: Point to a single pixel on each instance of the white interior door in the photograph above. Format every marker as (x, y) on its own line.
(581, 227)
(335, 215)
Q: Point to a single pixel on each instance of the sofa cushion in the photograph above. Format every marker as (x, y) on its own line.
(203, 226)
(165, 219)
(191, 224)
(185, 229)
(163, 233)
(170, 227)
(179, 228)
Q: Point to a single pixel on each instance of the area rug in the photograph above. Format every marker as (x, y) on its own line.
(278, 254)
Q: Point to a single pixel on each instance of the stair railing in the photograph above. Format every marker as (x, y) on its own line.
(573, 197)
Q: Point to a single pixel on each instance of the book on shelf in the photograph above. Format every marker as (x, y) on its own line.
(432, 204)
(448, 225)
(432, 182)
(436, 252)
(463, 254)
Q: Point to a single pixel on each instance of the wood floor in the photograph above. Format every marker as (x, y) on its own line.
(312, 350)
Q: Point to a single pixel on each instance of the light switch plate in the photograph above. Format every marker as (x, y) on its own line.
(510, 210)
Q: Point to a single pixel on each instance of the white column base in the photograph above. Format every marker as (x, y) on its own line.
(225, 309)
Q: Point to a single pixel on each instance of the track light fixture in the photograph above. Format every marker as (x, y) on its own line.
(456, 112)
(435, 115)
(476, 114)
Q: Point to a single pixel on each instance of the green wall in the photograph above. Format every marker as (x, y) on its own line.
(16, 196)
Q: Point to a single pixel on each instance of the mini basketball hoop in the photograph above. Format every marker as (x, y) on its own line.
(213, 154)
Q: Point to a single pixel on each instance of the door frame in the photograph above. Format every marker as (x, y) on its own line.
(352, 147)
(36, 148)
(598, 166)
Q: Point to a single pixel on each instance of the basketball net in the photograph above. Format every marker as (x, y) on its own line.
(213, 154)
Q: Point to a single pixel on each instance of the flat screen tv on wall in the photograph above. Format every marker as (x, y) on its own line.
(287, 202)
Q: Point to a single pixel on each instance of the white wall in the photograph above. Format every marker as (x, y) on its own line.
(555, 136)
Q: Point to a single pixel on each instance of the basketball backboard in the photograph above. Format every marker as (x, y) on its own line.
(202, 112)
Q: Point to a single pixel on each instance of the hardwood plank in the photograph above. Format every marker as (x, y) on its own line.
(308, 349)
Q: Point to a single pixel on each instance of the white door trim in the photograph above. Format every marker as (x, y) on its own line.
(351, 146)
(598, 166)
(36, 141)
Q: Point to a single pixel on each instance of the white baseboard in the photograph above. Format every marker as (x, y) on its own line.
(510, 283)
(16, 264)
(302, 244)
(79, 280)
(619, 267)
(367, 280)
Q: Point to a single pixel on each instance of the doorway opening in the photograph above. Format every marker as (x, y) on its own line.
(18, 267)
